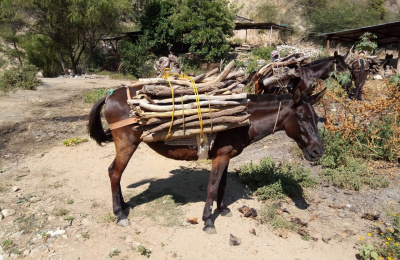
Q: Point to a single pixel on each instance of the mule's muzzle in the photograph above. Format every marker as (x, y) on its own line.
(313, 155)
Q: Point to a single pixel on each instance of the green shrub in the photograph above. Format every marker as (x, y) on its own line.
(19, 78)
(337, 150)
(95, 95)
(263, 52)
(272, 181)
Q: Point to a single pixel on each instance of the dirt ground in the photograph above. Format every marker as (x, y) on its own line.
(56, 200)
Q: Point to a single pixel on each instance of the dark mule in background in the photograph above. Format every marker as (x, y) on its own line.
(309, 73)
(292, 113)
(359, 69)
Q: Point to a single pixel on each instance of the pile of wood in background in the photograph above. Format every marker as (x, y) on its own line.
(220, 102)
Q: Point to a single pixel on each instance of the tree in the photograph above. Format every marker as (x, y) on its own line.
(77, 25)
(205, 25)
(12, 23)
(157, 25)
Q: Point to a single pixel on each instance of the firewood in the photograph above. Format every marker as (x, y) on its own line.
(204, 115)
(189, 98)
(188, 112)
(161, 135)
(157, 108)
(211, 72)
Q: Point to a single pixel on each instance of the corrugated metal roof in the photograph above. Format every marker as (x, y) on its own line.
(387, 33)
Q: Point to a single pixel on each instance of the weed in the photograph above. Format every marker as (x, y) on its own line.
(263, 52)
(58, 212)
(28, 223)
(109, 218)
(85, 235)
(272, 181)
(269, 215)
(69, 218)
(70, 201)
(6, 244)
(352, 175)
(95, 205)
(19, 78)
(95, 95)
(1, 188)
(144, 251)
(115, 252)
(74, 141)
(367, 252)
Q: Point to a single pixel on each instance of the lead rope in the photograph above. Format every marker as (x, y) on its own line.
(276, 121)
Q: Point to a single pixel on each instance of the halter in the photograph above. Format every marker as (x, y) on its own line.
(276, 121)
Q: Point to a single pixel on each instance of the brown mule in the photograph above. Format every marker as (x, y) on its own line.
(292, 113)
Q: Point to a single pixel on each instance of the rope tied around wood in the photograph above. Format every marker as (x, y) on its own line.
(166, 74)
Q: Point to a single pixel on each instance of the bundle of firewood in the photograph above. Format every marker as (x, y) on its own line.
(212, 104)
(284, 69)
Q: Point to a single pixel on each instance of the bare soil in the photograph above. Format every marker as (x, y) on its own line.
(56, 200)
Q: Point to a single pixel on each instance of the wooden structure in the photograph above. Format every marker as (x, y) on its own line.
(388, 33)
(261, 26)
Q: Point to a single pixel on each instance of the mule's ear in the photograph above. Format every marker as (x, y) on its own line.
(317, 97)
(335, 54)
(296, 96)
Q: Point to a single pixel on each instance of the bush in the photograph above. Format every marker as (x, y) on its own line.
(263, 52)
(272, 181)
(19, 78)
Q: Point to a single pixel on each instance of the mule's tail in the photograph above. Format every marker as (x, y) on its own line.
(95, 127)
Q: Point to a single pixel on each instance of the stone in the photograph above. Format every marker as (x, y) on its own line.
(86, 222)
(8, 212)
(15, 188)
(17, 235)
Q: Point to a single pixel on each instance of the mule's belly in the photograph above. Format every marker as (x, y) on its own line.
(176, 152)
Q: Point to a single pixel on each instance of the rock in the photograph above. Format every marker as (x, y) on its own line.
(283, 233)
(26, 252)
(1, 216)
(252, 231)
(234, 241)
(326, 239)
(129, 239)
(86, 222)
(17, 235)
(8, 212)
(15, 188)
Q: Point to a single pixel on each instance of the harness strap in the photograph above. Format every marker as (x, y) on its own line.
(125, 122)
(276, 121)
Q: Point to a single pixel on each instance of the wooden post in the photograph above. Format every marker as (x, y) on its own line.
(327, 46)
(270, 37)
(398, 60)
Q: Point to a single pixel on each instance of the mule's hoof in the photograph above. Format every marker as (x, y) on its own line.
(210, 230)
(123, 222)
(226, 213)
(209, 227)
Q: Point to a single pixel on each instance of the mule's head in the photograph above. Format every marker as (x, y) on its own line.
(301, 125)
(340, 62)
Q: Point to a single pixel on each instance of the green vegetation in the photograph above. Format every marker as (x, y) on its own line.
(59, 212)
(115, 252)
(367, 43)
(109, 218)
(70, 201)
(272, 181)
(95, 95)
(144, 251)
(85, 235)
(69, 218)
(74, 141)
(19, 78)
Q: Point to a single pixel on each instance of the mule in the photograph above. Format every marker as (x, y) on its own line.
(359, 69)
(292, 113)
(309, 73)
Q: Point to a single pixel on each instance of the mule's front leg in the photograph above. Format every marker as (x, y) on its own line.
(219, 164)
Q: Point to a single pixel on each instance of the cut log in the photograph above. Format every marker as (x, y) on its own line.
(211, 72)
(188, 112)
(157, 108)
(280, 74)
(155, 90)
(205, 115)
(161, 135)
(189, 98)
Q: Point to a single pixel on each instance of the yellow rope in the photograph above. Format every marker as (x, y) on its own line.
(196, 93)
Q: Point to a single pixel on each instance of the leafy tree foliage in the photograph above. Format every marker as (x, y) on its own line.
(205, 26)
(340, 15)
(157, 25)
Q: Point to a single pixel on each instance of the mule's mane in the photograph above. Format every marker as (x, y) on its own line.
(319, 61)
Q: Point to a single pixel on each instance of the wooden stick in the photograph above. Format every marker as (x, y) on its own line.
(188, 112)
(189, 98)
(205, 115)
(158, 136)
(157, 108)
(212, 72)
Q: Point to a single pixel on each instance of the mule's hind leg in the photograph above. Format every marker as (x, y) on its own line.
(221, 205)
(125, 146)
(219, 165)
